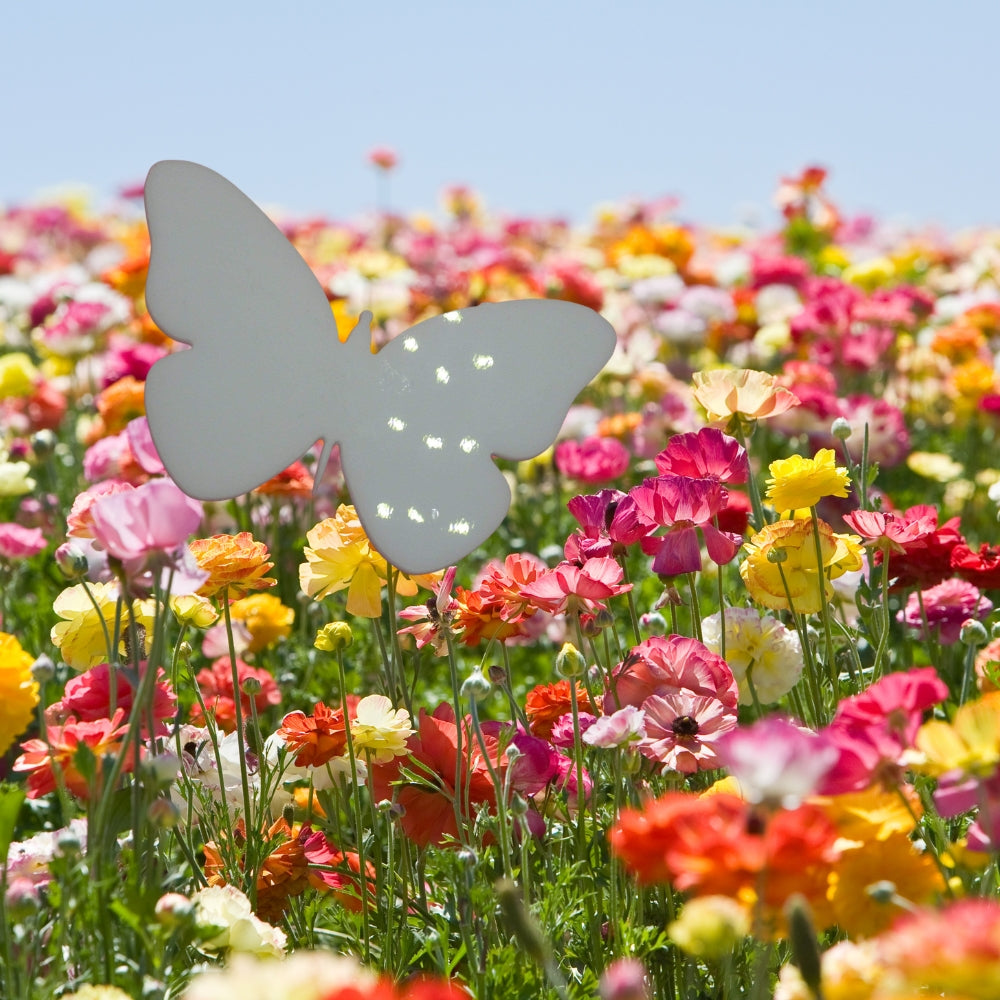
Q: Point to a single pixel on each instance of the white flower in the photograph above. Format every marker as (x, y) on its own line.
(202, 768)
(15, 480)
(760, 646)
(379, 729)
(304, 975)
(225, 913)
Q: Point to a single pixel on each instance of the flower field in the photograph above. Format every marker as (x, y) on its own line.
(714, 714)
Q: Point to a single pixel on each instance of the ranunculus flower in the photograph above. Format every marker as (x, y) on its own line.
(19, 542)
(594, 460)
(946, 608)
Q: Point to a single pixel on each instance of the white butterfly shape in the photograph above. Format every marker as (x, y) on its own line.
(418, 423)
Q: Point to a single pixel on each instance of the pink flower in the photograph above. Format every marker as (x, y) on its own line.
(88, 698)
(383, 157)
(154, 517)
(708, 454)
(18, 542)
(957, 793)
(563, 734)
(140, 442)
(582, 587)
(620, 729)
(79, 522)
(946, 606)
(888, 438)
(776, 761)
(665, 664)
(683, 729)
(593, 460)
(606, 519)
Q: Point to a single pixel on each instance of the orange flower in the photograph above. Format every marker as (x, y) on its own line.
(41, 758)
(547, 703)
(315, 739)
(721, 845)
(730, 394)
(479, 616)
(960, 343)
(119, 403)
(235, 563)
(295, 481)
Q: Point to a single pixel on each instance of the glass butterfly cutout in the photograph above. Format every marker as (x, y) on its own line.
(266, 377)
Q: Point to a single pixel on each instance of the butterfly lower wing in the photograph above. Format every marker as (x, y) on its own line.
(253, 392)
(446, 396)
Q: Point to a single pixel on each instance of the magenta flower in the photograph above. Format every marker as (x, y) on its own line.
(154, 517)
(776, 761)
(708, 454)
(946, 606)
(683, 730)
(593, 460)
(958, 793)
(684, 506)
(19, 542)
(607, 519)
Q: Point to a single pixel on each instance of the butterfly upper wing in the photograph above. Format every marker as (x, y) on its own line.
(441, 400)
(249, 397)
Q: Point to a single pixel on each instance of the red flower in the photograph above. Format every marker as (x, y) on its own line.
(546, 704)
(216, 686)
(980, 568)
(429, 805)
(925, 559)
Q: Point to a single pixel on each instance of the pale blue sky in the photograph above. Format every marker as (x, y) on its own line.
(543, 107)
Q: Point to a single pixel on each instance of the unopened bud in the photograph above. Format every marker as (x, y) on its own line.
(173, 909)
(334, 637)
(43, 669)
(497, 675)
(42, 443)
(777, 555)
(841, 429)
(475, 687)
(570, 661)
(71, 561)
(973, 633)
(163, 814)
(251, 686)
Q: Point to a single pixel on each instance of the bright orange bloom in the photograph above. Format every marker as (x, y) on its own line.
(41, 758)
(235, 563)
(960, 343)
(479, 616)
(117, 405)
(547, 703)
(315, 739)
(721, 845)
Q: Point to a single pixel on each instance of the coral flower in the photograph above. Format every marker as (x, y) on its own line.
(796, 583)
(234, 563)
(314, 739)
(82, 637)
(18, 690)
(59, 749)
(740, 393)
(797, 482)
(441, 779)
(340, 557)
(580, 587)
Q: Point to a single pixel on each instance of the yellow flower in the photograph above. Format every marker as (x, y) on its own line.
(790, 578)
(970, 742)
(379, 729)
(15, 478)
(81, 636)
(17, 375)
(333, 637)
(340, 556)
(190, 609)
(848, 971)
(970, 381)
(797, 483)
(872, 814)
(933, 465)
(266, 618)
(235, 563)
(710, 927)
(98, 992)
(904, 872)
(18, 690)
(741, 392)
(870, 274)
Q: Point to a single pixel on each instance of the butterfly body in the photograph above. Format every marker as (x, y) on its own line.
(418, 423)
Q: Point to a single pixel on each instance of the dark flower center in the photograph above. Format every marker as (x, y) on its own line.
(685, 725)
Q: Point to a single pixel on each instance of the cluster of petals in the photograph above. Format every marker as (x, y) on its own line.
(215, 684)
(582, 588)
(593, 460)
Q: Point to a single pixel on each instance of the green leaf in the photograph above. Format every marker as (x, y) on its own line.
(11, 797)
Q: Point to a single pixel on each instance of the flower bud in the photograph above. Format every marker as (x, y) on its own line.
(68, 844)
(570, 661)
(173, 909)
(497, 675)
(334, 637)
(973, 633)
(163, 813)
(776, 555)
(43, 443)
(251, 686)
(624, 979)
(22, 899)
(710, 927)
(43, 669)
(841, 429)
(71, 561)
(475, 687)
